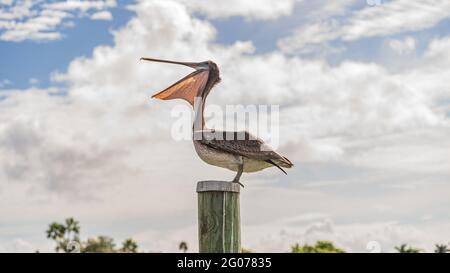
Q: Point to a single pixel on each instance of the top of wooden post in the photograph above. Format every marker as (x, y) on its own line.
(223, 186)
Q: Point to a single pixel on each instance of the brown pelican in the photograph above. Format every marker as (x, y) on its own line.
(236, 151)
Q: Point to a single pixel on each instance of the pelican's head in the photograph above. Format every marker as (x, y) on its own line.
(194, 84)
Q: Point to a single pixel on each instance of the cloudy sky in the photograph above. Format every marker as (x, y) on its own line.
(364, 96)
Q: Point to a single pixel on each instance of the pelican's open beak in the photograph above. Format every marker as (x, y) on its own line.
(192, 65)
(188, 87)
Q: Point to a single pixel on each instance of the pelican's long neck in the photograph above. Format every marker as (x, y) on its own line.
(199, 102)
(199, 107)
(199, 119)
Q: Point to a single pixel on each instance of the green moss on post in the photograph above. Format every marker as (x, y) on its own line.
(219, 225)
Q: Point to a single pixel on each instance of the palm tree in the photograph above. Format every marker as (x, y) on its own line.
(72, 227)
(183, 246)
(404, 248)
(64, 234)
(129, 246)
(441, 248)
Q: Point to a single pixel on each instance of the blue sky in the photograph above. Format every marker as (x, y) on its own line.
(22, 61)
(364, 115)
(31, 59)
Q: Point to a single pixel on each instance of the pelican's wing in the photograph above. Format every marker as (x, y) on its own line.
(187, 88)
(244, 145)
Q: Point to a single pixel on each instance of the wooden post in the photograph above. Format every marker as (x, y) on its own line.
(219, 225)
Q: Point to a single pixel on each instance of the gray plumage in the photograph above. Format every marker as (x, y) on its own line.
(243, 144)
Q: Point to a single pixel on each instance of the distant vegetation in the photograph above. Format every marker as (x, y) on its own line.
(66, 235)
(441, 248)
(183, 246)
(404, 248)
(319, 247)
(67, 238)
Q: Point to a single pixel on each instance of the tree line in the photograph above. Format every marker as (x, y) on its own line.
(66, 236)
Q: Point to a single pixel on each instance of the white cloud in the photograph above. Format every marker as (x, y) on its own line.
(6, 2)
(102, 15)
(389, 18)
(100, 153)
(4, 83)
(267, 9)
(18, 246)
(404, 46)
(260, 9)
(396, 16)
(81, 5)
(40, 27)
(40, 21)
(19, 10)
(33, 81)
(311, 34)
(331, 8)
(436, 52)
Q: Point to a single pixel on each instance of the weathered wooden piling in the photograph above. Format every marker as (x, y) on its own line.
(219, 225)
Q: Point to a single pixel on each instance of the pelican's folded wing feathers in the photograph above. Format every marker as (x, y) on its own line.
(243, 144)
